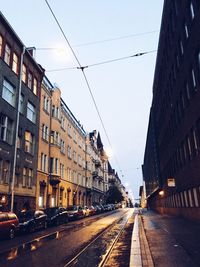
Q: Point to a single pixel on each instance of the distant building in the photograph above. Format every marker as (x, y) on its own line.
(172, 156)
(31, 74)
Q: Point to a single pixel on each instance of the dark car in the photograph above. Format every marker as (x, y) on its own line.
(29, 220)
(75, 212)
(56, 215)
(9, 224)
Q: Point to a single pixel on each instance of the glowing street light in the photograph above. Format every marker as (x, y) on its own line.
(109, 152)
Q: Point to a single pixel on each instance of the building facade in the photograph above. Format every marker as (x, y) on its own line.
(20, 80)
(62, 177)
(172, 159)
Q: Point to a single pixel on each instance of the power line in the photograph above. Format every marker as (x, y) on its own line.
(101, 41)
(114, 39)
(104, 62)
(85, 77)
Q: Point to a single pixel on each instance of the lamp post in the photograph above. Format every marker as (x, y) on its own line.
(16, 130)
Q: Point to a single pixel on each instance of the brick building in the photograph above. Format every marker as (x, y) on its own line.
(171, 166)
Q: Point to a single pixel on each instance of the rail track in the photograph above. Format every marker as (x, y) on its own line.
(98, 251)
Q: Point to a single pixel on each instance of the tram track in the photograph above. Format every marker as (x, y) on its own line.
(99, 249)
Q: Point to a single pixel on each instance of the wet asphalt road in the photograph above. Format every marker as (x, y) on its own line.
(57, 250)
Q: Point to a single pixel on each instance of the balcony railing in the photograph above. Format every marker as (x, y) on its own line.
(97, 163)
(94, 174)
(54, 179)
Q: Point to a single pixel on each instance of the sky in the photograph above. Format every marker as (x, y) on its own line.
(122, 89)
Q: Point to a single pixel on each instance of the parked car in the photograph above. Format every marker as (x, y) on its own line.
(75, 212)
(56, 215)
(107, 207)
(92, 210)
(9, 224)
(29, 220)
(86, 211)
(98, 208)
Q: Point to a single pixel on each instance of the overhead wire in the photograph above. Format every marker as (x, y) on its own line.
(114, 39)
(104, 62)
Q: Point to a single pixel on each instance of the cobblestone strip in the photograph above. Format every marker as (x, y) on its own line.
(135, 257)
(147, 260)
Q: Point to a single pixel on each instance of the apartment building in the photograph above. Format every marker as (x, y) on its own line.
(20, 82)
(98, 166)
(171, 164)
(62, 154)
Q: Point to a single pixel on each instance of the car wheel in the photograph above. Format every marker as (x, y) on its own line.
(12, 233)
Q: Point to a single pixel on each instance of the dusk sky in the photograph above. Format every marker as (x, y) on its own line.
(122, 89)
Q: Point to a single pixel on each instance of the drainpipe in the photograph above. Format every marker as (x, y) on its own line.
(16, 131)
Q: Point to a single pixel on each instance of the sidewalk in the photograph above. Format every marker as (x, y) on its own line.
(167, 241)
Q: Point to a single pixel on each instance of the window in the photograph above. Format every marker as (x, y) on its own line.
(54, 167)
(194, 134)
(53, 111)
(15, 63)
(69, 130)
(29, 142)
(62, 170)
(187, 91)
(21, 104)
(35, 85)
(193, 79)
(24, 72)
(27, 178)
(191, 10)
(62, 146)
(199, 59)
(24, 177)
(69, 174)
(74, 157)
(9, 93)
(31, 112)
(75, 137)
(30, 177)
(6, 129)
(46, 104)
(45, 132)
(7, 54)
(55, 138)
(181, 47)
(51, 165)
(186, 31)
(189, 146)
(62, 123)
(1, 45)
(30, 79)
(43, 162)
(69, 152)
(4, 171)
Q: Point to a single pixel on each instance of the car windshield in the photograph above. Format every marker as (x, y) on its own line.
(51, 211)
(72, 208)
(26, 214)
